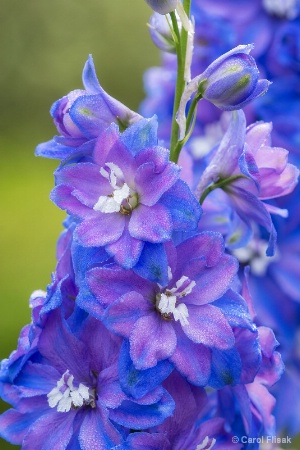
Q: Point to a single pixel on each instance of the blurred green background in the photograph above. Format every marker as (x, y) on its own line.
(44, 45)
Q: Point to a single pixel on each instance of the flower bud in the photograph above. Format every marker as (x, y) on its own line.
(231, 81)
(161, 34)
(162, 6)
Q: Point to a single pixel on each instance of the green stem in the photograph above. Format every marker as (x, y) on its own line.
(220, 184)
(180, 82)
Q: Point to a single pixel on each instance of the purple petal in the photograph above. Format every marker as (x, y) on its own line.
(97, 431)
(211, 282)
(102, 229)
(63, 197)
(146, 441)
(160, 157)
(152, 339)
(121, 316)
(208, 326)
(101, 280)
(86, 180)
(14, 425)
(192, 360)
(207, 245)
(104, 144)
(126, 250)
(152, 224)
(248, 346)
(42, 438)
(62, 349)
(249, 207)
(151, 185)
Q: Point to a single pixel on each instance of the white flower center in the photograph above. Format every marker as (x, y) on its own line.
(281, 8)
(203, 444)
(66, 396)
(167, 302)
(122, 199)
(254, 254)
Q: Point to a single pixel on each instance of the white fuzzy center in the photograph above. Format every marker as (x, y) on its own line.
(66, 396)
(169, 302)
(122, 199)
(204, 443)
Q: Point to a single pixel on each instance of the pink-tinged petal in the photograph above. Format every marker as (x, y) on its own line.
(274, 210)
(152, 339)
(258, 135)
(151, 185)
(104, 143)
(100, 230)
(208, 326)
(126, 250)
(192, 360)
(121, 316)
(86, 179)
(275, 185)
(63, 197)
(211, 282)
(152, 224)
(97, 431)
(272, 158)
(272, 366)
(41, 436)
(263, 404)
(101, 280)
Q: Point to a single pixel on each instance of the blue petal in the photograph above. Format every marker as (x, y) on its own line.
(143, 416)
(153, 264)
(225, 368)
(89, 77)
(183, 206)
(137, 383)
(141, 135)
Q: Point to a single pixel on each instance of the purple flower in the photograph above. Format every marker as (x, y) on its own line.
(182, 320)
(162, 6)
(129, 195)
(71, 386)
(255, 170)
(82, 115)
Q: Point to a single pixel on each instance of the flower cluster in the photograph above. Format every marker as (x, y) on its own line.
(147, 337)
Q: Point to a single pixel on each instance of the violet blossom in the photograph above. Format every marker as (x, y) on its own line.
(130, 194)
